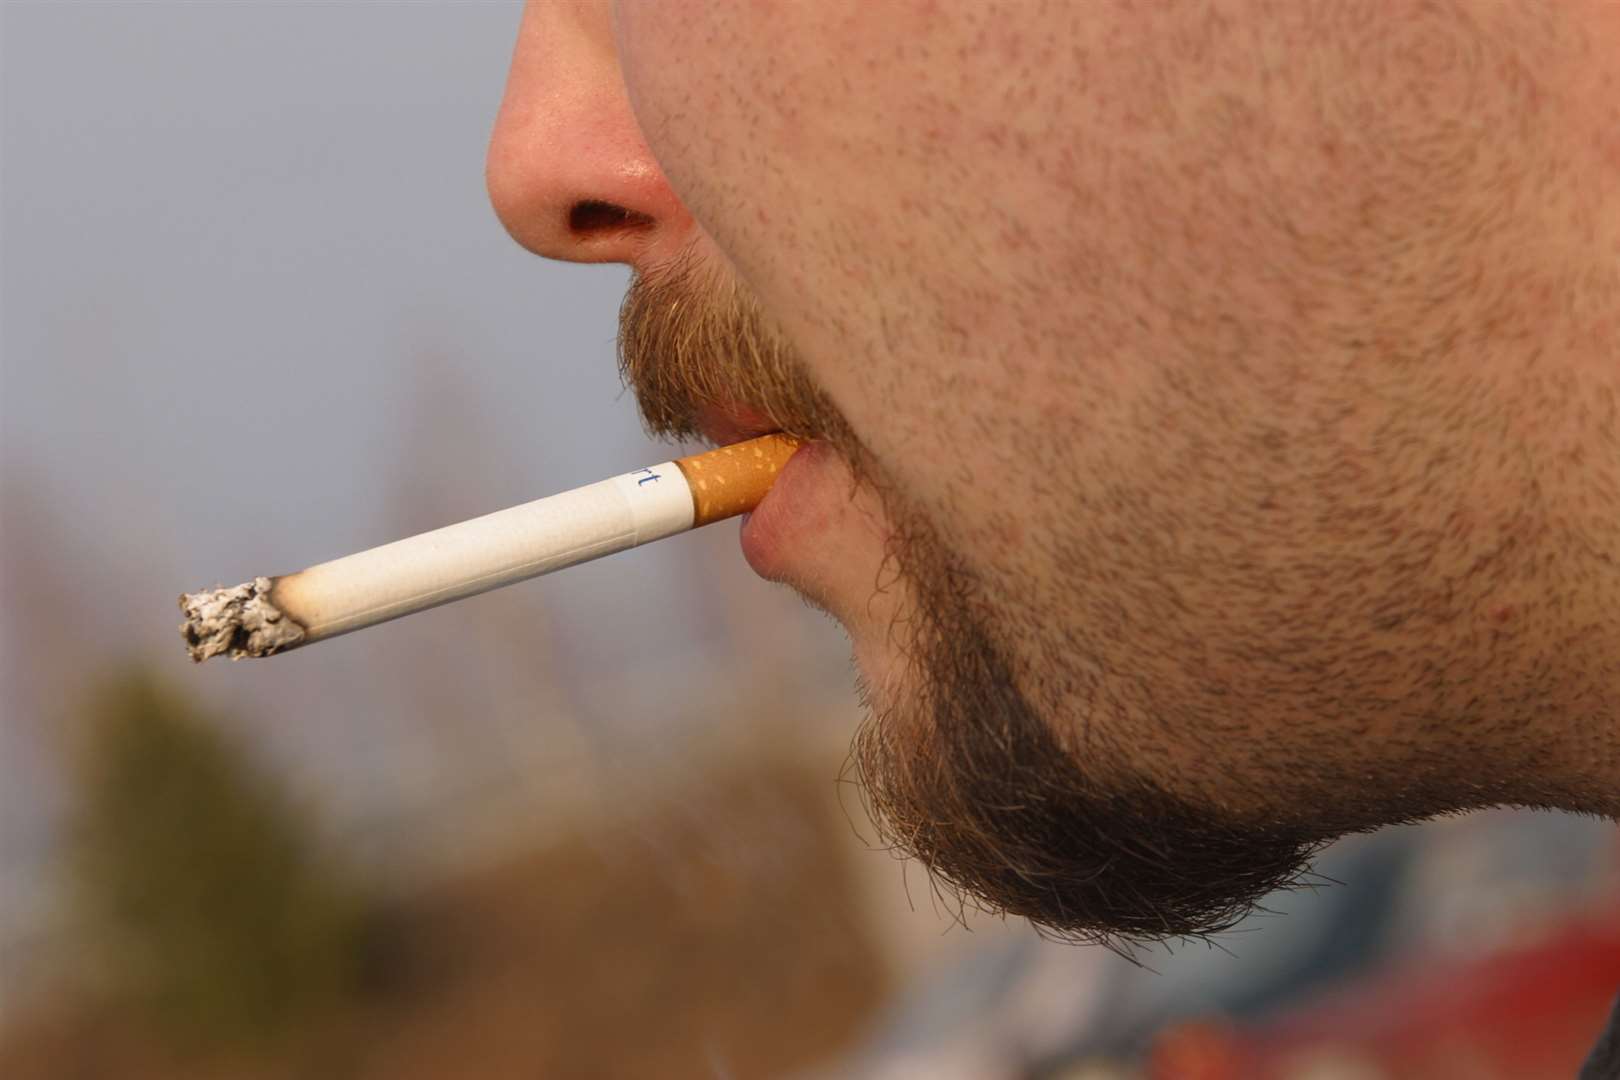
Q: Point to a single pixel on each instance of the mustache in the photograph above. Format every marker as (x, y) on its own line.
(692, 341)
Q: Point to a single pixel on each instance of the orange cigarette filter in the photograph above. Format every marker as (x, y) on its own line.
(733, 479)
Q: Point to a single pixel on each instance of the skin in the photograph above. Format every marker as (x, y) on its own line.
(1215, 401)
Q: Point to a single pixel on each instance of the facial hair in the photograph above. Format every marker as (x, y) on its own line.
(1002, 805)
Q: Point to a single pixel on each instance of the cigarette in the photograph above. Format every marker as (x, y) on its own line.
(271, 615)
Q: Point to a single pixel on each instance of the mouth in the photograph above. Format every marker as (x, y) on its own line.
(784, 537)
(731, 423)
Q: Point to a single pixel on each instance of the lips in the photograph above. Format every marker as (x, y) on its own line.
(781, 536)
(794, 512)
(731, 423)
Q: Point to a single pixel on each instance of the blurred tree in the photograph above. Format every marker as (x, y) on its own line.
(208, 896)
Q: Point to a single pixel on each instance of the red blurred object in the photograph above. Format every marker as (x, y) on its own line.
(1521, 1013)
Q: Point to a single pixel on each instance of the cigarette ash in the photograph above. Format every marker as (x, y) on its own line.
(238, 622)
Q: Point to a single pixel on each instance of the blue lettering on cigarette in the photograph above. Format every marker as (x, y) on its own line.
(651, 477)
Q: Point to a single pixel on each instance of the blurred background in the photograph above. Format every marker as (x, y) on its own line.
(256, 314)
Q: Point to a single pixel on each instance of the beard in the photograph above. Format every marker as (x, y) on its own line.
(1010, 811)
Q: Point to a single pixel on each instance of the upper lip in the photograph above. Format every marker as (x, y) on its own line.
(730, 423)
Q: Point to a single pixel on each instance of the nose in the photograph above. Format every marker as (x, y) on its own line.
(568, 171)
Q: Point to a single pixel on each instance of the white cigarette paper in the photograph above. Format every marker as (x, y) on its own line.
(271, 615)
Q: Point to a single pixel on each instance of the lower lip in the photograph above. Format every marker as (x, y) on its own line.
(790, 511)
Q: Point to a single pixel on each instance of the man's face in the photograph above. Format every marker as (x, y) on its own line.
(1180, 382)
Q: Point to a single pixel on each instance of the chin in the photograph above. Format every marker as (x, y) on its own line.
(881, 672)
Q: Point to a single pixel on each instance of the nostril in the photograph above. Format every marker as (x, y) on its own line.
(594, 216)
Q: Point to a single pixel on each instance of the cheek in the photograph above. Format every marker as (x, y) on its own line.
(784, 130)
(748, 109)
(829, 153)
(688, 70)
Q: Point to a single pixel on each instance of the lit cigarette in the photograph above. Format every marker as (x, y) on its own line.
(266, 616)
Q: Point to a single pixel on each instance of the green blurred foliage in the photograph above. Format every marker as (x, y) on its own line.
(211, 903)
